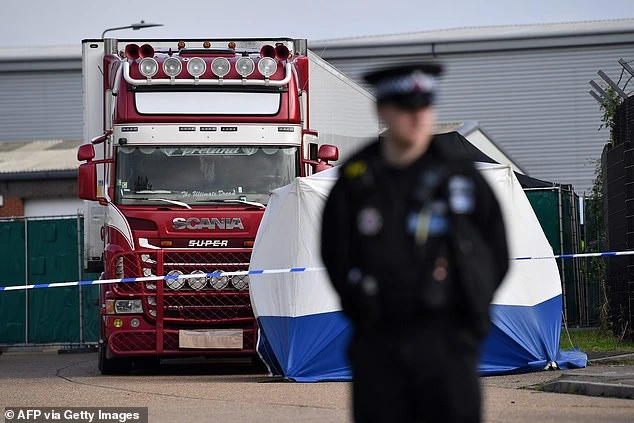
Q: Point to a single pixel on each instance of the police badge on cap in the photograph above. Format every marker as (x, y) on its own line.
(406, 86)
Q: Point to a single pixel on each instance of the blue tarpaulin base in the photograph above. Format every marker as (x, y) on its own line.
(526, 338)
(307, 348)
(314, 348)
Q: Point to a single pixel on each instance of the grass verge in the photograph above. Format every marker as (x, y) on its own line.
(594, 341)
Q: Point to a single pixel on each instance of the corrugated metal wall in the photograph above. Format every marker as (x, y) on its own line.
(533, 103)
(41, 105)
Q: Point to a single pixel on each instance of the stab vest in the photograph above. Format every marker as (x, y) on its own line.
(443, 263)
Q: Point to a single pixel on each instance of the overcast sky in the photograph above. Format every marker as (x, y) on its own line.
(28, 23)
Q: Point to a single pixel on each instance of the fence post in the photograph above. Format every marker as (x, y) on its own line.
(26, 280)
(79, 277)
(562, 270)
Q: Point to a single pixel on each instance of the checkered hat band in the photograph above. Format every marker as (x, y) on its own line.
(415, 82)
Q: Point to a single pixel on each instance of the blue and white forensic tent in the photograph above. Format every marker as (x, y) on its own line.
(304, 334)
(526, 311)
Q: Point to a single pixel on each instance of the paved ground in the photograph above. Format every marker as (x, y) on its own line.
(223, 392)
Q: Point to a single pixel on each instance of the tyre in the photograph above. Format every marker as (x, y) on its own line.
(146, 363)
(112, 366)
(258, 365)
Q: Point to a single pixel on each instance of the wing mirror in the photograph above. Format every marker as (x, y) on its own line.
(86, 152)
(328, 152)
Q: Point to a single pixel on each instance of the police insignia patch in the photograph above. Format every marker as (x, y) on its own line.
(369, 221)
(461, 195)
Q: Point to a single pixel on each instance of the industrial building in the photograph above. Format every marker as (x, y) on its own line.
(525, 86)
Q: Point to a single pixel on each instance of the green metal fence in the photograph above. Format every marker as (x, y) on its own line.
(557, 210)
(45, 250)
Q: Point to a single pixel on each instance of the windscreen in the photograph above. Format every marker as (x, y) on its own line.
(199, 175)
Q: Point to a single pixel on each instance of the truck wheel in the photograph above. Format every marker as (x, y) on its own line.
(112, 366)
(147, 363)
(258, 364)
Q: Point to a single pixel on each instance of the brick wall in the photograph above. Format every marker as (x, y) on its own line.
(13, 207)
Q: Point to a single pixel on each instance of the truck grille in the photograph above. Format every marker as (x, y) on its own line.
(146, 343)
(200, 299)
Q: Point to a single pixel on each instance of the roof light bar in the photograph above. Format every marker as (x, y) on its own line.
(186, 81)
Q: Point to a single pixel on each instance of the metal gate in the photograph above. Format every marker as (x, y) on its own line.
(45, 250)
(557, 210)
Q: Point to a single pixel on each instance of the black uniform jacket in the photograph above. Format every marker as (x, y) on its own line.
(415, 244)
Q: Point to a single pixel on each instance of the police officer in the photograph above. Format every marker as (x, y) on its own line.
(414, 243)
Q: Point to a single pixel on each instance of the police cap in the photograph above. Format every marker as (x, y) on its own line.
(405, 86)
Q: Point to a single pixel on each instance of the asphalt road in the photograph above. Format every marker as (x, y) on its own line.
(229, 392)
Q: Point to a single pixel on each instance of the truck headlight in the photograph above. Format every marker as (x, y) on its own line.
(240, 282)
(267, 66)
(148, 67)
(197, 283)
(196, 66)
(172, 67)
(219, 282)
(174, 283)
(124, 307)
(220, 66)
(245, 66)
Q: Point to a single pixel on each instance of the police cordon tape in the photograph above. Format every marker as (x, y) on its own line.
(154, 278)
(265, 272)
